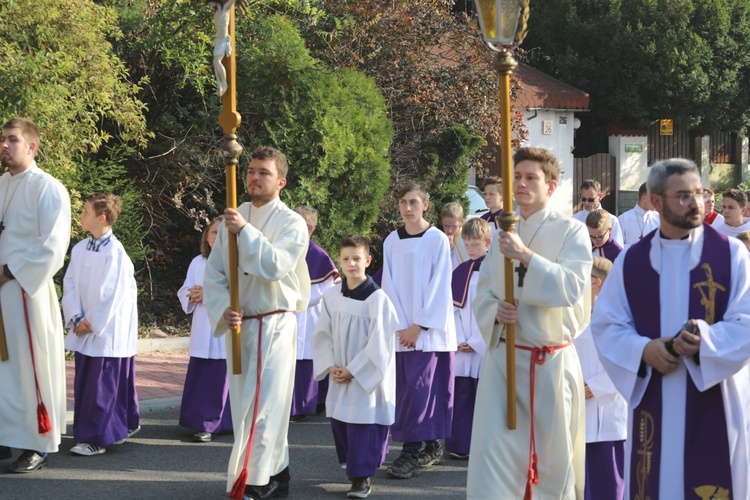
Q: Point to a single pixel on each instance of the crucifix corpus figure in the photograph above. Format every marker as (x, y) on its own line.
(222, 42)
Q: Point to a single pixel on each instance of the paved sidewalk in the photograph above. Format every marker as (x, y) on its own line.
(159, 378)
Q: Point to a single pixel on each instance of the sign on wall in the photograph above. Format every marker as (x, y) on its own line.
(666, 127)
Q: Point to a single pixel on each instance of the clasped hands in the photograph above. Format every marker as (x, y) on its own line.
(655, 353)
(195, 294)
(82, 328)
(340, 375)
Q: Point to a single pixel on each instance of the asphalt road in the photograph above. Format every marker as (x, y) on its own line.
(162, 462)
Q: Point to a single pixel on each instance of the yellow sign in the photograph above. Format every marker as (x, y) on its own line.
(666, 127)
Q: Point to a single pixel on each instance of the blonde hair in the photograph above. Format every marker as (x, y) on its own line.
(599, 219)
(476, 229)
(452, 209)
(309, 214)
(601, 267)
(744, 236)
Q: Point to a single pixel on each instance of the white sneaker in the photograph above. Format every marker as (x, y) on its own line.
(87, 450)
(131, 433)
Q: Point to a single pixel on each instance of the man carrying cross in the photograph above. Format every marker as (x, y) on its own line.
(35, 217)
(688, 391)
(544, 456)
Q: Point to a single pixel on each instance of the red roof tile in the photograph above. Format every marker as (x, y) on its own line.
(542, 91)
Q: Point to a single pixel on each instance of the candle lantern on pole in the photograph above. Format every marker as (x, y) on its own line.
(499, 22)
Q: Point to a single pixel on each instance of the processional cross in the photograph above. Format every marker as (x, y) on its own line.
(225, 69)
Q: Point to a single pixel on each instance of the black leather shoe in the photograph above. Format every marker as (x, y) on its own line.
(29, 461)
(5, 453)
(275, 489)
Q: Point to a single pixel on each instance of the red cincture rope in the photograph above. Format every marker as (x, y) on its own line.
(42, 418)
(238, 489)
(538, 357)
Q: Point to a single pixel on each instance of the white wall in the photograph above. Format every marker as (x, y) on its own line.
(560, 142)
(632, 167)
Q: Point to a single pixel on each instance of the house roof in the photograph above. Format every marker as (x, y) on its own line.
(544, 92)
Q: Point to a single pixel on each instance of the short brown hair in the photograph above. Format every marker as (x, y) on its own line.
(601, 267)
(452, 209)
(267, 152)
(547, 161)
(355, 241)
(599, 219)
(106, 204)
(410, 186)
(736, 195)
(28, 128)
(476, 229)
(492, 180)
(205, 247)
(744, 236)
(591, 183)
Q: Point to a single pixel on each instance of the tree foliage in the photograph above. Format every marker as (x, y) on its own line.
(646, 59)
(332, 126)
(60, 70)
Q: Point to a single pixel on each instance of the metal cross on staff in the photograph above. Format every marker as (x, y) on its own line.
(229, 119)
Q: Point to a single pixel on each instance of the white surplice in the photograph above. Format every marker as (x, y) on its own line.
(724, 354)
(468, 364)
(616, 229)
(100, 287)
(358, 335)
(554, 307)
(272, 276)
(202, 343)
(607, 411)
(36, 216)
(636, 223)
(417, 278)
(732, 231)
(307, 319)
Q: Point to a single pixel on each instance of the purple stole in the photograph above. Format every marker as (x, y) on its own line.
(319, 264)
(706, 459)
(490, 217)
(611, 249)
(461, 279)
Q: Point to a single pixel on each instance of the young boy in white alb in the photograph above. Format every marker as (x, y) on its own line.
(471, 347)
(100, 308)
(354, 344)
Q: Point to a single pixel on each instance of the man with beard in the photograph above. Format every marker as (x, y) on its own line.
(274, 284)
(34, 236)
(688, 392)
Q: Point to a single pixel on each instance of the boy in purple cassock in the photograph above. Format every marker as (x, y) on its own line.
(100, 308)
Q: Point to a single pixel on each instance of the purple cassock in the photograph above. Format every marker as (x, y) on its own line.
(305, 396)
(205, 397)
(424, 410)
(707, 450)
(465, 390)
(605, 464)
(106, 401)
(610, 250)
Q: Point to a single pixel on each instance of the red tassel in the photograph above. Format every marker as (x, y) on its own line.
(238, 490)
(43, 419)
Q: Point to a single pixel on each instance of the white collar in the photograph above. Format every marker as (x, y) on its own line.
(696, 249)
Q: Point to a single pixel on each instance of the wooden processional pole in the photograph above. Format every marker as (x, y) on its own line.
(230, 119)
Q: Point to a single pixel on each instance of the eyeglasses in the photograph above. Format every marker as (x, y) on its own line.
(587, 200)
(598, 238)
(684, 199)
(451, 226)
